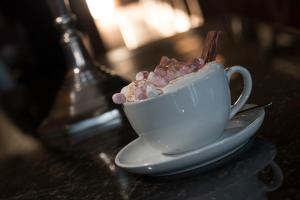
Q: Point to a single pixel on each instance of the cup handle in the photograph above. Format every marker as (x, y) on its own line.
(277, 179)
(246, 90)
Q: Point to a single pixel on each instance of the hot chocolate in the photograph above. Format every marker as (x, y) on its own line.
(167, 76)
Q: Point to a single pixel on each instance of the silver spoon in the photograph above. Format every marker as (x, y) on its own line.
(256, 107)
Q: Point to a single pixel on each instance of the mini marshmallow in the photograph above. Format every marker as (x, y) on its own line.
(141, 75)
(151, 76)
(185, 70)
(164, 60)
(193, 67)
(171, 75)
(119, 98)
(160, 70)
(140, 94)
(131, 98)
(152, 91)
(161, 82)
(172, 61)
(199, 62)
(189, 68)
(149, 84)
(157, 80)
(125, 90)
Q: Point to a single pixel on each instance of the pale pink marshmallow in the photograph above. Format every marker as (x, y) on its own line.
(135, 91)
(172, 61)
(193, 67)
(189, 68)
(160, 70)
(147, 85)
(185, 70)
(141, 75)
(164, 60)
(157, 80)
(140, 94)
(141, 84)
(160, 82)
(129, 90)
(125, 90)
(199, 62)
(152, 76)
(119, 98)
(152, 91)
(131, 98)
(171, 75)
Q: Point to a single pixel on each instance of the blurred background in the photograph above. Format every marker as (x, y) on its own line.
(126, 36)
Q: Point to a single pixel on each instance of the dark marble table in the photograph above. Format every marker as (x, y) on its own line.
(271, 53)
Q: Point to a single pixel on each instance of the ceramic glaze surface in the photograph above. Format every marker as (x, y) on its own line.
(237, 133)
(187, 117)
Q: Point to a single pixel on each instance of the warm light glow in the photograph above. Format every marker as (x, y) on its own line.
(102, 10)
(182, 22)
(159, 16)
(196, 13)
(141, 22)
(164, 19)
(127, 31)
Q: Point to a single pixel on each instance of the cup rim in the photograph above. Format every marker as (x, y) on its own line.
(126, 104)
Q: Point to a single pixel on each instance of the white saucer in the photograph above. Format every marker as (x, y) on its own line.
(141, 158)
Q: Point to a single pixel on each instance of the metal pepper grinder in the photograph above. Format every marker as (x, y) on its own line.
(82, 107)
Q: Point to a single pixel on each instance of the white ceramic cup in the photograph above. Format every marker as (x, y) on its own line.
(191, 116)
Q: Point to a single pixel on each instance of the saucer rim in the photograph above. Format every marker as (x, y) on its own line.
(260, 117)
(203, 164)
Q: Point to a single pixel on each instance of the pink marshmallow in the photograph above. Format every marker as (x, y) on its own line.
(149, 84)
(160, 82)
(160, 70)
(141, 75)
(171, 75)
(152, 91)
(140, 94)
(186, 69)
(119, 98)
(193, 67)
(164, 60)
(172, 61)
(199, 62)
(157, 80)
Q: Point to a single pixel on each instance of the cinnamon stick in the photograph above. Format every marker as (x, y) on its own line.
(210, 46)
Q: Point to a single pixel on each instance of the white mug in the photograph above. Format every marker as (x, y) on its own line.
(191, 116)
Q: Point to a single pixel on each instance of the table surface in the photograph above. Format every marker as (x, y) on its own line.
(270, 52)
